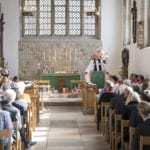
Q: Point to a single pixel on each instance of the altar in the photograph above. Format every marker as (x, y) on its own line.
(63, 77)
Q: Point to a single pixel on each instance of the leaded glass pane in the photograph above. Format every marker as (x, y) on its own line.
(60, 2)
(45, 17)
(74, 17)
(60, 29)
(89, 21)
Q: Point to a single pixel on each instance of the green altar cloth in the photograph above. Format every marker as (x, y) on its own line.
(98, 78)
(53, 77)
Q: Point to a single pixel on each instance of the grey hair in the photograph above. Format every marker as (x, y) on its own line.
(10, 95)
(122, 89)
(127, 82)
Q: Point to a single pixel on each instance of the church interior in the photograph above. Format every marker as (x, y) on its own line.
(74, 74)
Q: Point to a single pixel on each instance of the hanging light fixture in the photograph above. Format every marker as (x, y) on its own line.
(94, 11)
(28, 10)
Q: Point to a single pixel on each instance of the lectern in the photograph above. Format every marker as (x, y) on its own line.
(98, 78)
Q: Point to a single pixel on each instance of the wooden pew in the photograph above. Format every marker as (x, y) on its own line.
(7, 133)
(95, 107)
(1, 144)
(124, 124)
(17, 143)
(104, 106)
(111, 127)
(144, 140)
(117, 133)
(76, 82)
(131, 136)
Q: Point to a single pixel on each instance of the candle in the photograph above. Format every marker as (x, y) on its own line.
(66, 55)
(44, 55)
(70, 55)
(75, 55)
(49, 54)
(55, 54)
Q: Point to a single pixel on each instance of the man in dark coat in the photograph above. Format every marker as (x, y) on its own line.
(144, 128)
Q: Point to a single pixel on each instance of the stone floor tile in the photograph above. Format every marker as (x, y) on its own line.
(64, 142)
(66, 148)
(63, 124)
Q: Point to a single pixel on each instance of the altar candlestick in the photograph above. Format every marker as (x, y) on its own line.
(49, 54)
(55, 55)
(66, 55)
(75, 55)
(44, 55)
(70, 56)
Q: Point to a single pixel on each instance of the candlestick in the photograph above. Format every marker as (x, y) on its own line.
(44, 55)
(75, 55)
(55, 54)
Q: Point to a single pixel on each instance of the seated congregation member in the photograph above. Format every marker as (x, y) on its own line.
(21, 86)
(107, 93)
(9, 98)
(115, 80)
(130, 105)
(127, 82)
(105, 96)
(135, 119)
(142, 129)
(119, 97)
(5, 123)
(5, 72)
(120, 106)
(5, 82)
(146, 95)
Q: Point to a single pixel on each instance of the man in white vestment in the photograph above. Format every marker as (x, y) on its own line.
(97, 63)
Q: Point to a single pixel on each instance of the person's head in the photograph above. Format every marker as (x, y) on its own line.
(9, 95)
(114, 78)
(127, 82)
(144, 109)
(109, 84)
(122, 89)
(140, 78)
(134, 97)
(136, 88)
(128, 91)
(15, 79)
(145, 84)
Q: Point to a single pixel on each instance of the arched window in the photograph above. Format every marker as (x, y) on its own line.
(58, 18)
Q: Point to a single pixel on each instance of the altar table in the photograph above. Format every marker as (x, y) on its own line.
(54, 77)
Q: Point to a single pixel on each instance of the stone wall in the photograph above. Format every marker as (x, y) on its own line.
(60, 55)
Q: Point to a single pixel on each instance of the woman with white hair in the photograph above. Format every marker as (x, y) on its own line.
(131, 104)
(9, 98)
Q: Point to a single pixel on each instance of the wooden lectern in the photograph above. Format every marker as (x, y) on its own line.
(98, 78)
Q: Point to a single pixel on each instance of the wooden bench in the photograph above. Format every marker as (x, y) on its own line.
(75, 82)
(144, 140)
